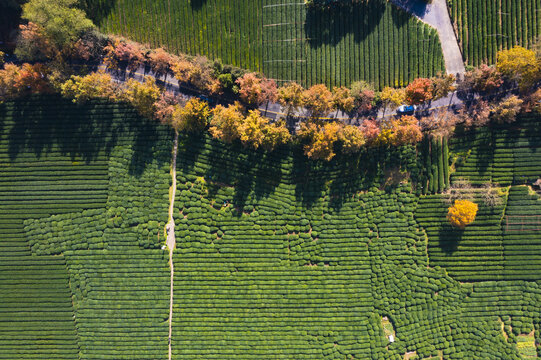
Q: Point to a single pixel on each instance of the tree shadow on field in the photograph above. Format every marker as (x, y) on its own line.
(449, 238)
(98, 10)
(252, 174)
(45, 124)
(399, 16)
(197, 4)
(329, 26)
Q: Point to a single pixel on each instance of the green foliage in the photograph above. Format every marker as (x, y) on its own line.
(485, 27)
(61, 21)
(371, 40)
(275, 254)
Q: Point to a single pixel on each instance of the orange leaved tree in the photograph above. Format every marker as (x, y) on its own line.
(462, 213)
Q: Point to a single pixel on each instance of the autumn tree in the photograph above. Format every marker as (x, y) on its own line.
(419, 91)
(33, 44)
(319, 139)
(165, 106)
(27, 79)
(364, 96)
(254, 90)
(142, 96)
(483, 79)
(95, 85)
(290, 97)
(250, 129)
(275, 135)
(342, 99)
(442, 85)
(391, 97)
(60, 20)
(192, 117)
(519, 64)
(533, 102)
(89, 47)
(202, 76)
(371, 131)
(507, 110)
(225, 122)
(462, 213)
(352, 139)
(121, 52)
(318, 100)
(406, 130)
(160, 61)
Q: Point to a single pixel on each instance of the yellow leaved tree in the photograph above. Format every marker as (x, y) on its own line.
(462, 213)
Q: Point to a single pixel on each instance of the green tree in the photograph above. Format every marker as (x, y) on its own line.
(61, 21)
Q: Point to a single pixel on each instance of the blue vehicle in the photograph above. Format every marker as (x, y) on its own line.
(406, 109)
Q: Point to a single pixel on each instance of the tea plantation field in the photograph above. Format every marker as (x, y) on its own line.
(486, 27)
(373, 41)
(277, 257)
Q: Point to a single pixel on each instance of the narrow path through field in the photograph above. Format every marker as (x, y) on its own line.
(170, 229)
(436, 15)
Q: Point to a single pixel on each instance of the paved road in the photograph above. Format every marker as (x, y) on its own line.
(436, 15)
(275, 111)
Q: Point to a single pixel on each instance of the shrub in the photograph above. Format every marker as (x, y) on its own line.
(193, 117)
(95, 85)
(462, 213)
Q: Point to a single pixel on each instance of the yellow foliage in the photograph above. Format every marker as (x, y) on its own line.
(192, 117)
(275, 135)
(393, 97)
(519, 64)
(320, 139)
(94, 85)
(225, 122)
(251, 129)
(352, 139)
(462, 213)
(142, 95)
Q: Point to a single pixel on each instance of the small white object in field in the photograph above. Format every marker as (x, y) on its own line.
(163, 247)
(391, 338)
